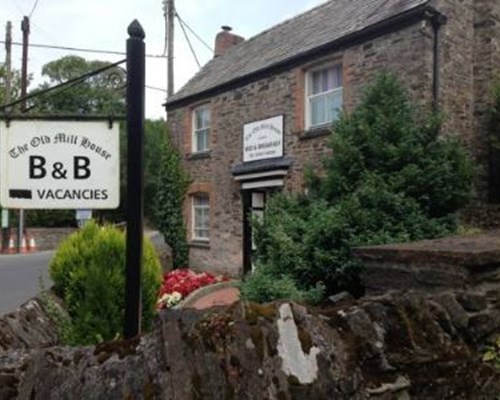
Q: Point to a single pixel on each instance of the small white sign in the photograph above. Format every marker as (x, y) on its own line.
(59, 164)
(83, 214)
(263, 139)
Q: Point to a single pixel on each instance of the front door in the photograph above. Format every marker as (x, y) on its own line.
(254, 202)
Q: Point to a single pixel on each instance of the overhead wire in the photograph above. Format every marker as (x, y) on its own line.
(189, 43)
(156, 88)
(33, 8)
(69, 82)
(193, 32)
(82, 50)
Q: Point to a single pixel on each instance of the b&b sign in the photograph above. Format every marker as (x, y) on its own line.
(59, 164)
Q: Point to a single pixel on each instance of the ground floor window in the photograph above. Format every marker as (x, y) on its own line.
(201, 216)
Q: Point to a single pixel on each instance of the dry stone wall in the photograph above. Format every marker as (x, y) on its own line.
(396, 346)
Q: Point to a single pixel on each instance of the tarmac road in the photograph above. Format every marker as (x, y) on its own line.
(20, 278)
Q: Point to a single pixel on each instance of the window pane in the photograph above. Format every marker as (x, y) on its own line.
(334, 105)
(205, 118)
(337, 76)
(326, 80)
(201, 137)
(201, 217)
(317, 110)
(315, 83)
(198, 119)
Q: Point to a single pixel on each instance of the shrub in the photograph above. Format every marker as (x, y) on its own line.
(88, 271)
(171, 186)
(390, 178)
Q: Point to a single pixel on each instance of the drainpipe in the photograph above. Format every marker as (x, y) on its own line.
(437, 20)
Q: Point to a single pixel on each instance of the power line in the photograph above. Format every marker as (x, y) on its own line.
(70, 82)
(33, 9)
(156, 88)
(193, 32)
(189, 43)
(82, 50)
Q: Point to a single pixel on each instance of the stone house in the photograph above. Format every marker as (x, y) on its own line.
(260, 111)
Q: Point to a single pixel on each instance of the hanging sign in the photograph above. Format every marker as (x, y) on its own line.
(263, 139)
(59, 164)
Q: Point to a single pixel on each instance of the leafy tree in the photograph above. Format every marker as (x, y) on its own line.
(15, 87)
(100, 94)
(169, 190)
(390, 178)
(154, 145)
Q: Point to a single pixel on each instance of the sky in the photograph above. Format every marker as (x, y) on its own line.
(102, 25)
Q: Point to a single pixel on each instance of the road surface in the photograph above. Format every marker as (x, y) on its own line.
(20, 278)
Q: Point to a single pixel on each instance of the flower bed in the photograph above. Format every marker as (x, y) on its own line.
(179, 283)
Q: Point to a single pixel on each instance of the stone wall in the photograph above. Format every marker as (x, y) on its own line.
(397, 346)
(422, 341)
(30, 327)
(468, 263)
(405, 53)
(47, 238)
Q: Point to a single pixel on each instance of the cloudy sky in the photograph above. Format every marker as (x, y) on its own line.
(102, 25)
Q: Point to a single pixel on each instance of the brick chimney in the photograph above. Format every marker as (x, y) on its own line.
(225, 40)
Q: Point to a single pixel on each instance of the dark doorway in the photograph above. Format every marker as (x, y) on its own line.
(254, 203)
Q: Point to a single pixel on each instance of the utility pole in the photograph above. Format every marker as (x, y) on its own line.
(170, 19)
(8, 84)
(25, 28)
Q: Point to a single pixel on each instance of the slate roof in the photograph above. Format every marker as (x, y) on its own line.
(324, 24)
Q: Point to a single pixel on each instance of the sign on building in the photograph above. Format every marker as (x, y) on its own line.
(59, 164)
(263, 139)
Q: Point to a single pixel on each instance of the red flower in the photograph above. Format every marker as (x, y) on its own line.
(186, 281)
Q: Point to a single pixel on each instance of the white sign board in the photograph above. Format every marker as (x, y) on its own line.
(59, 164)
(263, 139)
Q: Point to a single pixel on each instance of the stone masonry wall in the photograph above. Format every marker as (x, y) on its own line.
(406, 53)
(486, 70)
(47, 238)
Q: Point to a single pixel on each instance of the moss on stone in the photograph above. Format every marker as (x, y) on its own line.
(254, 311)
(122, 348)
(305, 339)
(148, 390)
(196, 386)
(258, 340)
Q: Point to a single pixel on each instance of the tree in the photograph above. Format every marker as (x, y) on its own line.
(101, 94)
(170, 187)
(154, 146)
(15, 85)
(391, 178)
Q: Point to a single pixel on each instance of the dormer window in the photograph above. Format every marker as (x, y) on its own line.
(201, 129)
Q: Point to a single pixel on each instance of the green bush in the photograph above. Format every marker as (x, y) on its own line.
(390, 178)
(171, 185)
(88, 271)
(264, 287)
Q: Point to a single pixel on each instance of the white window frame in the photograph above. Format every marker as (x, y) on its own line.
(196, 129)
(194, 207)
(308, 83)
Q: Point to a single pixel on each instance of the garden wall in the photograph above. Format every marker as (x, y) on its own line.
(423, 341)
(47, 238)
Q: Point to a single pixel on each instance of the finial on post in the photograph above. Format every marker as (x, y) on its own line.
(135, 30)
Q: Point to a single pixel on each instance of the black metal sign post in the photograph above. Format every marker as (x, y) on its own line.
(135, 164)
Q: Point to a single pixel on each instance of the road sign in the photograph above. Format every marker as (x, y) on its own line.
(59, 164)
